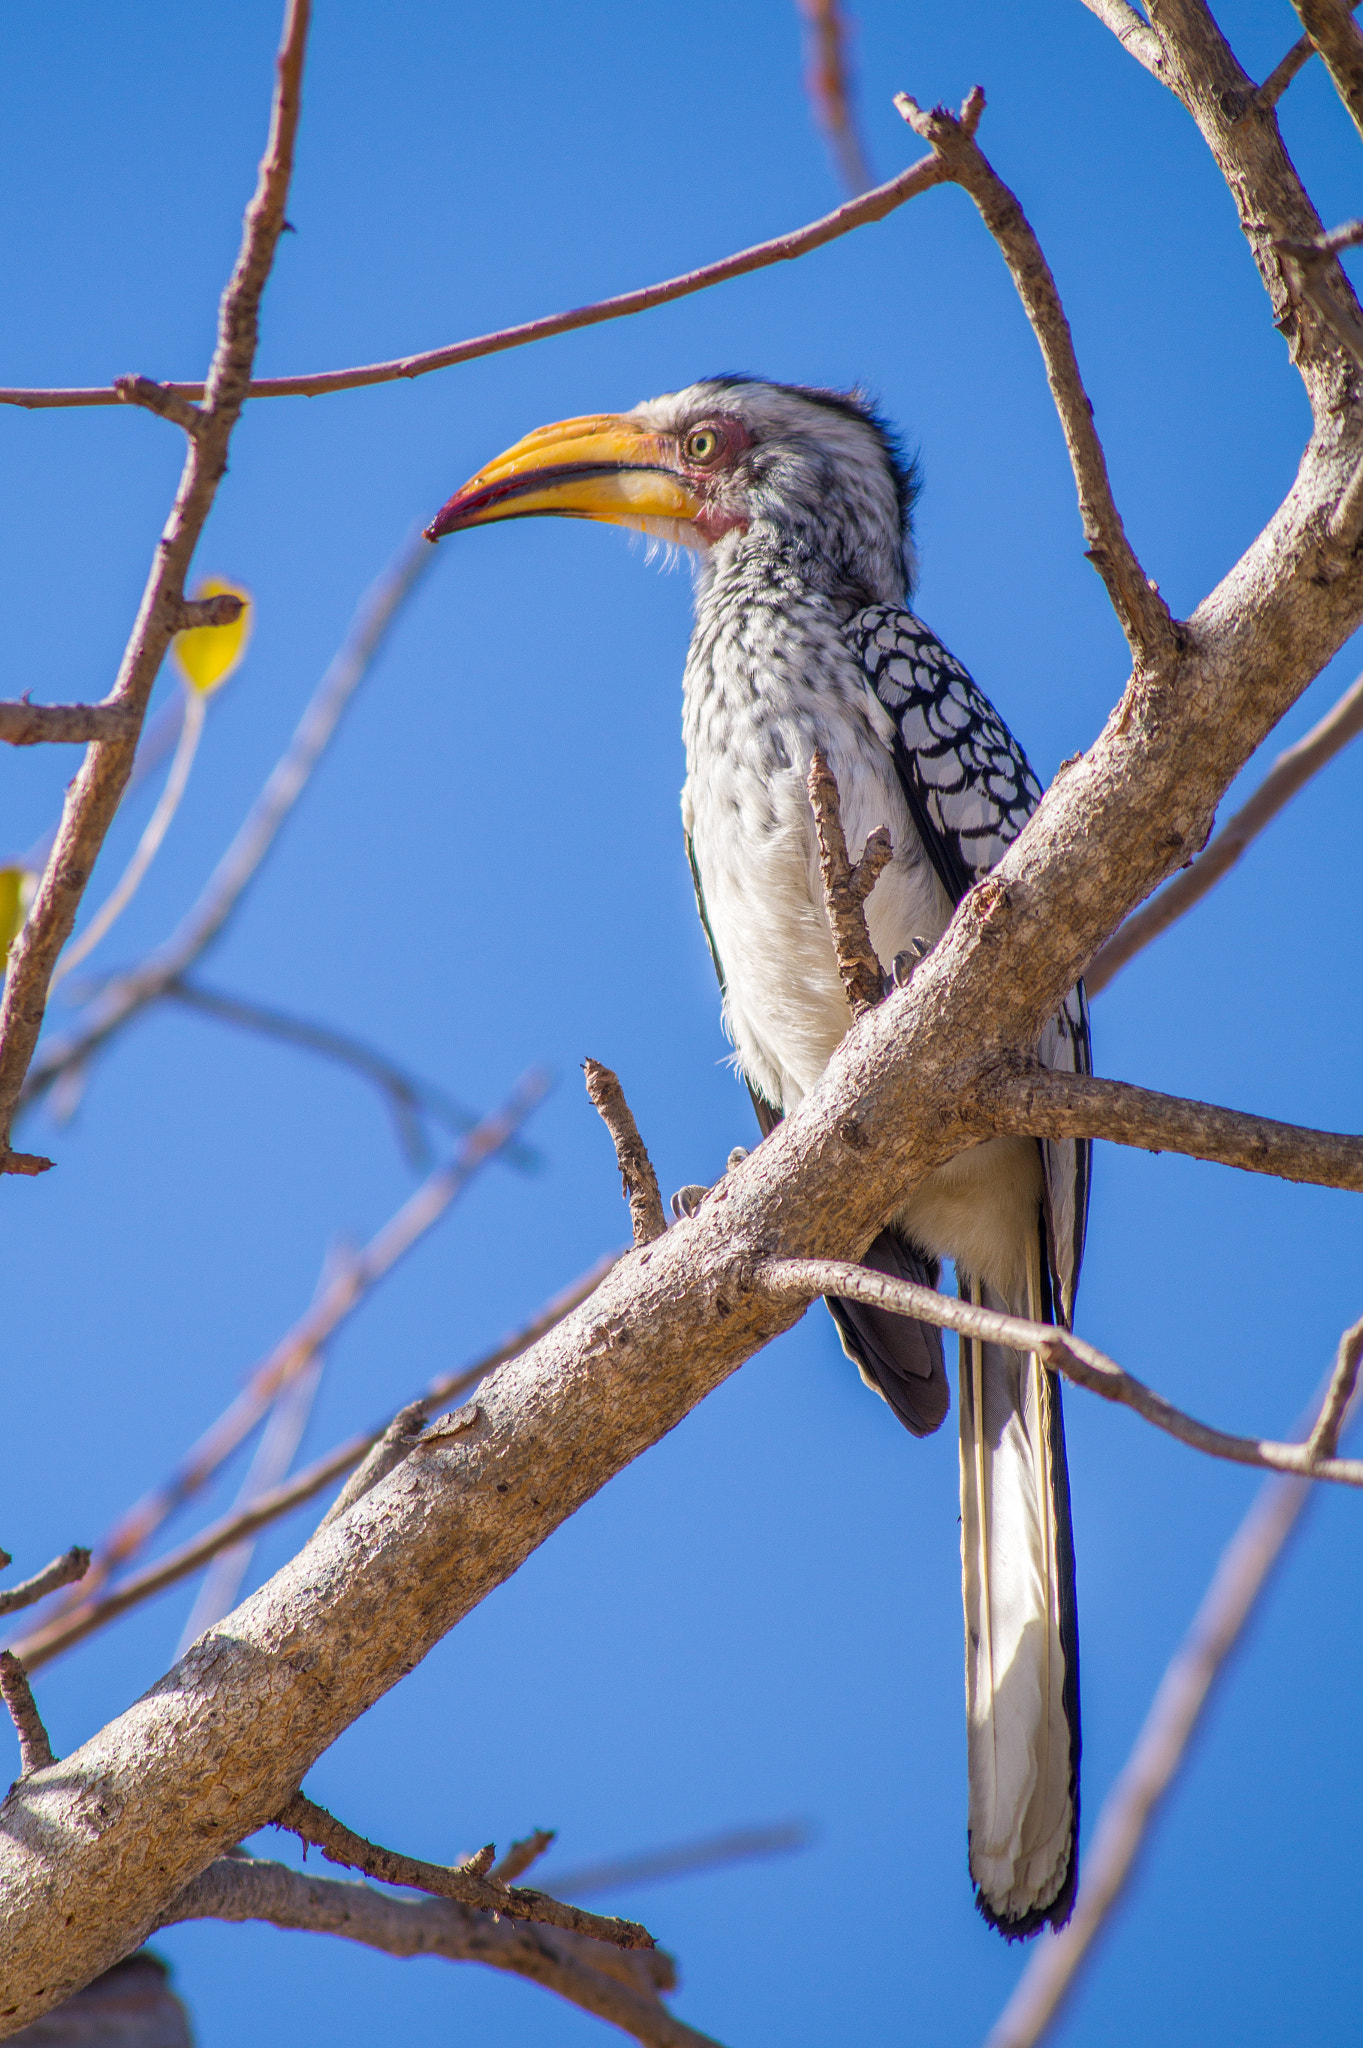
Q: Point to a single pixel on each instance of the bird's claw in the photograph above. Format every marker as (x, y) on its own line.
(687, 1200)
(903, 965)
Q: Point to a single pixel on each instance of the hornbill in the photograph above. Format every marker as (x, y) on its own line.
(797, 504)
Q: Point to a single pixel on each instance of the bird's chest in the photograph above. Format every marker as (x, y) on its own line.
(765, 685)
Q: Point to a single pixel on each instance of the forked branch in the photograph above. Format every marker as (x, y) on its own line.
(846, 885)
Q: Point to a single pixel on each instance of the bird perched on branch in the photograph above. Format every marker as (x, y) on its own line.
(797, 504)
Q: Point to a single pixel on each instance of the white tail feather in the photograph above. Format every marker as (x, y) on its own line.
(1014, 1555)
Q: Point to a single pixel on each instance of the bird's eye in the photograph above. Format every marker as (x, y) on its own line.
(701, 445)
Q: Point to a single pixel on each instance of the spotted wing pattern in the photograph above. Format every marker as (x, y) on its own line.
(968, 781)
(970, 790)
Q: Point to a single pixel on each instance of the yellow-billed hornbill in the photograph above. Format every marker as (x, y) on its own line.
(797, 505)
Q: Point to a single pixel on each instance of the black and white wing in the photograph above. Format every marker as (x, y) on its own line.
(970, 790)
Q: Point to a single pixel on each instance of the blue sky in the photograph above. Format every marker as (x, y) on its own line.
(762, 1617)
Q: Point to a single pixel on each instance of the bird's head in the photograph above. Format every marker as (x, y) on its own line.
(814, 473)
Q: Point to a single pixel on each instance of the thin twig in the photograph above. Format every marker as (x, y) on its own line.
(1283, 73)
(828, 80)
(340, 1844)
(1324, 1438)
(35, 1751)
(683, 1859)
(409, 1096)
(1292, 770)
(845, 888)
(25, 1162)
(855, 213)
(522, 1854)
(63, 1571)
(337, 1301)
(1144, 616)
(1018, 1095)
(127, 994)
(619, 1985)
(1331, 27)
(804, 1279)
(222, 610)
(28, 725)
(95, 794)
(72, 1627)
(636, 1168)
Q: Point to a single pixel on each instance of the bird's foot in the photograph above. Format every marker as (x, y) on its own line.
(902, 967)
(687, 1200)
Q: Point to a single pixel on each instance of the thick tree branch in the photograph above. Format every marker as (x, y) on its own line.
(28, 725)
(793, 1280)
(1331, 27)
(619, 1985)
(1029, 1100)
(465, 1883)
(1291, 771)
(95, 794)
(872, 206)
(1144, 616)
(636, 1168)
(126, 995)
(35, 1751)
(385, 1447)
(846, 885)
(73, 1564)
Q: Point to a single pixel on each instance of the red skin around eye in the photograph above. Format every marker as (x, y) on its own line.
(714, 521)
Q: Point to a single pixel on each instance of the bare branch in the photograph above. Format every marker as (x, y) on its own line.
(408, 1096)
(791, 1280)
(223, 610)
(67, 1629)
(855, 213)
(71, 1565)
(1135, 35)
(159, 398)
(684, 1859)
(1029, 1100)
(1291, 771)
(28, 725)
(1331, 27)
(636, 1168)
(1324, 1437)
(35, 1751)
(1283, 72)
(383, 1457)
(95, 794)
(829, 83)
(335, 1303)
(619, 1985)
(25, 1162)
(1144, 616)
(466, 1884)
(846, 887)
(126, 995)
(522, 1854)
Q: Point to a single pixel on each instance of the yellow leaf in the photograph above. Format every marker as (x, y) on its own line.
(16, 891)
(207, 655)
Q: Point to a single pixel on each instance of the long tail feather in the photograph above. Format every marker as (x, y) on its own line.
(1022, 1656)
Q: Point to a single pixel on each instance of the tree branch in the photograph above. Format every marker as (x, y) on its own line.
(794, 1280)
(522, 1854)
(683, 1859)
(845, 888)
(71, 1565)
(1337, 36)
(95, 794)
(855, 213)
(72, 1627)
(35, 1751)
(1291, 771)
(1135, 35)
(1144, 616)
(636, 1168)
(619, 1985)
(1324, 1437)
(1283, 73)
(829, 85)
(28, 725)
(1025, 1099)
(408, 1096)
(126, 995)
(466, 1885)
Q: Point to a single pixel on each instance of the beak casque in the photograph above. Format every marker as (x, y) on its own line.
(604, 466)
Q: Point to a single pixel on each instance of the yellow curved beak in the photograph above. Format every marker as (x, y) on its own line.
(604, 466)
